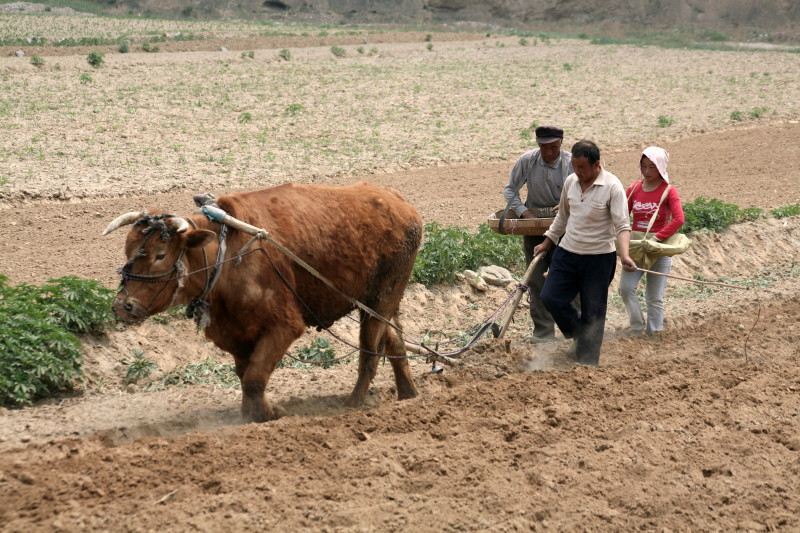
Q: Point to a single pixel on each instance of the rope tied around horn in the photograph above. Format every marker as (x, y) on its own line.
(156, 223)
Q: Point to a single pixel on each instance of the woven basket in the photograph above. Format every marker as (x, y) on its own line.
(518, 226)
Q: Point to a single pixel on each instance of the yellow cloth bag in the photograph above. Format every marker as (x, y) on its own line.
(645, 249)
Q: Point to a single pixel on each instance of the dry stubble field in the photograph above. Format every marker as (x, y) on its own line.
(695, 429)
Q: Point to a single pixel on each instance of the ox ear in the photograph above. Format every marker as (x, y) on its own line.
(199, 238)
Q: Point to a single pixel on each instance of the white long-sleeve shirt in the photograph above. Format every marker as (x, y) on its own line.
(590, 221)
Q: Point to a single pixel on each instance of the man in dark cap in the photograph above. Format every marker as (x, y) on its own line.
(544, 170)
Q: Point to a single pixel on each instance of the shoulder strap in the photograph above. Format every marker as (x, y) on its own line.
(633, 189)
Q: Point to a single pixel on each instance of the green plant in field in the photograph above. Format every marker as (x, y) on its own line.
(442, 254)
(139, 367)
(3, 180)
(207, 372)
(40, 353)
(786, 211)
(713, 35)
(523, 41)
(124, 47)
(360, 49)
(526, 134)
(75, 304)
(294, 109)
(715, 215)
(490, 248)
(39, 358)
(737, 115)
(37, 61)
(664, 121)
(567, 67)
(758, 112)
(429, 46)
(245, 117)
(373, 51)
(147, 47)
(338, 51)
(428, 38)
(285, 54)
(319, 353)
(86, 78)
(95, 58)
(448, 250)
(79, 305)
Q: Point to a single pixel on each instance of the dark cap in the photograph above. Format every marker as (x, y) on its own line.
(548, 134)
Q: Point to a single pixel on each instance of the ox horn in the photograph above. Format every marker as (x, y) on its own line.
(122, 220)
(178, 224)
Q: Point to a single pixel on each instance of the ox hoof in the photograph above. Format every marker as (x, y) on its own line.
(407, 394)
(265, 416)
(353, 401)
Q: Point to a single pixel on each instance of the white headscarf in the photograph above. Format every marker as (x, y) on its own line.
(660, 158)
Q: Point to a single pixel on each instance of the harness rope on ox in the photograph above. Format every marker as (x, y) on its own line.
(198, 308)
(218, 215)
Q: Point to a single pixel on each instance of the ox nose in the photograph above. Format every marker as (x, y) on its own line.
(126, 309)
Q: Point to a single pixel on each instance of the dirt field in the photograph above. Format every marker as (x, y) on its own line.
(695, 429)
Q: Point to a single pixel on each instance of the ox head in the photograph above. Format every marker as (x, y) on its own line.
(153, 276)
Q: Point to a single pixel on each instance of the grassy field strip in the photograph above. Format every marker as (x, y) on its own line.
(150, 122)
(54, 28)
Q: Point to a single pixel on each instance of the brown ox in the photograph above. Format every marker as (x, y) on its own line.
(363, 238)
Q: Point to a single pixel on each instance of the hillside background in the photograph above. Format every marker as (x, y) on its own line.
(755, 20)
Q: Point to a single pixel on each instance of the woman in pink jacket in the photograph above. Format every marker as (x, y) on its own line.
(644, 198)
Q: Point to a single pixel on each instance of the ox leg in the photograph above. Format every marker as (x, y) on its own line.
(240, 363)
(371, 331)
(395, 346)
(256, 372)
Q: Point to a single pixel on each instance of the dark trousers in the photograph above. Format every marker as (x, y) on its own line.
(588, 276)
(543, 324)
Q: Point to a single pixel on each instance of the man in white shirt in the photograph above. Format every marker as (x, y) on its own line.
(592, 215)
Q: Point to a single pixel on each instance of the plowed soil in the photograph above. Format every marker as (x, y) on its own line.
(697, 428)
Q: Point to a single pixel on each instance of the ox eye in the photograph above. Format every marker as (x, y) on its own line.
(160, 257)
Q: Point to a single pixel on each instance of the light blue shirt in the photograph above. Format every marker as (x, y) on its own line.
(544, 181)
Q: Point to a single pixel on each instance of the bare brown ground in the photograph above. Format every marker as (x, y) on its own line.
(696, 429)
(675, 432)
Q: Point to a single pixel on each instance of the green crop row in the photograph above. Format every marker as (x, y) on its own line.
(446, 251)
(39, 352)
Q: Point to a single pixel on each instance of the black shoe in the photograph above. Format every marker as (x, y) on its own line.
(572, 351)
(539, 340)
